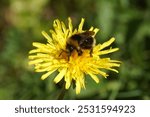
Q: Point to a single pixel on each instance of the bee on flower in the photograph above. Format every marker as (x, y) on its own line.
(73, 53)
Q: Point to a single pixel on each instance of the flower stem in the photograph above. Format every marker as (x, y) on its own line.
(62, 92)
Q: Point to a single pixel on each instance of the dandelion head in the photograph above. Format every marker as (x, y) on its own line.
(71, 65)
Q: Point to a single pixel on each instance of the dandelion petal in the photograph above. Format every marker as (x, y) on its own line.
(95, 78)
(60, 75)
(47, 74)
(46, 36)
(108, 43)
(81, 25)
(78, 87)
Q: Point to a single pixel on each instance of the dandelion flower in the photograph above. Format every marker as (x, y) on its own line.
(50, 57)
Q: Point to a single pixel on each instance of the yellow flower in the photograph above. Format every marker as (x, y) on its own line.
(51, 57)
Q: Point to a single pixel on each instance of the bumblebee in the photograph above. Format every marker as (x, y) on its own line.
(80, 42)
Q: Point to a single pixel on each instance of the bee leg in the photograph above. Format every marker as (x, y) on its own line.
(69, 54)
(91, 51)
(60, 53)
(79, 52)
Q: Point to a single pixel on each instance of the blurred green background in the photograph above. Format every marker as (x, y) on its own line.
(21, 23)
